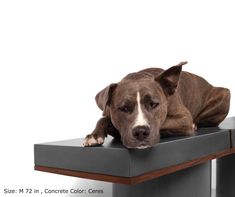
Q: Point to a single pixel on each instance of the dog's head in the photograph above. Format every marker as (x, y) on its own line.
(138, 108)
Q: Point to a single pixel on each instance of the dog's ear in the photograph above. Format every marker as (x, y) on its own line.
(103, 98)
(169, 78)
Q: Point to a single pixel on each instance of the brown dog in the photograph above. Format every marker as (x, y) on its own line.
(154, 102)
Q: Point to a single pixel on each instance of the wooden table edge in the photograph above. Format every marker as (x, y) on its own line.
(136, 179)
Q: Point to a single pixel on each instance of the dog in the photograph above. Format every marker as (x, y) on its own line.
(154, 102)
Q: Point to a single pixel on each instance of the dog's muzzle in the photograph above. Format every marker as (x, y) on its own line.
(141, 132)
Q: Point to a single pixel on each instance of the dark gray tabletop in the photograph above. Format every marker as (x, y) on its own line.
(113, 159)
(229, 123)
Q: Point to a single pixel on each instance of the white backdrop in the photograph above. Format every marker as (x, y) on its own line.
(56, 55)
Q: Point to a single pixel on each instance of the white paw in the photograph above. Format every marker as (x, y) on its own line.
(91, 141)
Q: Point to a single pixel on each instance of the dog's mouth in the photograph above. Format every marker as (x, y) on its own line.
(135, 144)
(132, 143)
(140, 145)
(143, 147)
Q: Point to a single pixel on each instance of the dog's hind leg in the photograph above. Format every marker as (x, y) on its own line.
(178, 124)
(215, 109)
(103, 127)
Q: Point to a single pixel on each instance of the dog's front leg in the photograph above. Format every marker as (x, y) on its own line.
(99, 133)
(103, 127)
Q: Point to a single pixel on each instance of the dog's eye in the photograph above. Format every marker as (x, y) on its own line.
(125, 108)
(153, 105)
(150, 103)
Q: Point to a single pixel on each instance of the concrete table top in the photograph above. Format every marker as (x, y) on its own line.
(229, 123)
(113, 159)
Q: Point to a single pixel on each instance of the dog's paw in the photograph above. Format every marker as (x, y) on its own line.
(194, 127)
(92, 140)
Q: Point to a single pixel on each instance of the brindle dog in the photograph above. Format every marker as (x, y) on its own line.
(154, 102)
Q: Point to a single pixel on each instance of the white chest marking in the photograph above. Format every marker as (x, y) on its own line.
(140, 118)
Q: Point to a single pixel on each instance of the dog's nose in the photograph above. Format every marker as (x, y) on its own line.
(141, 132)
